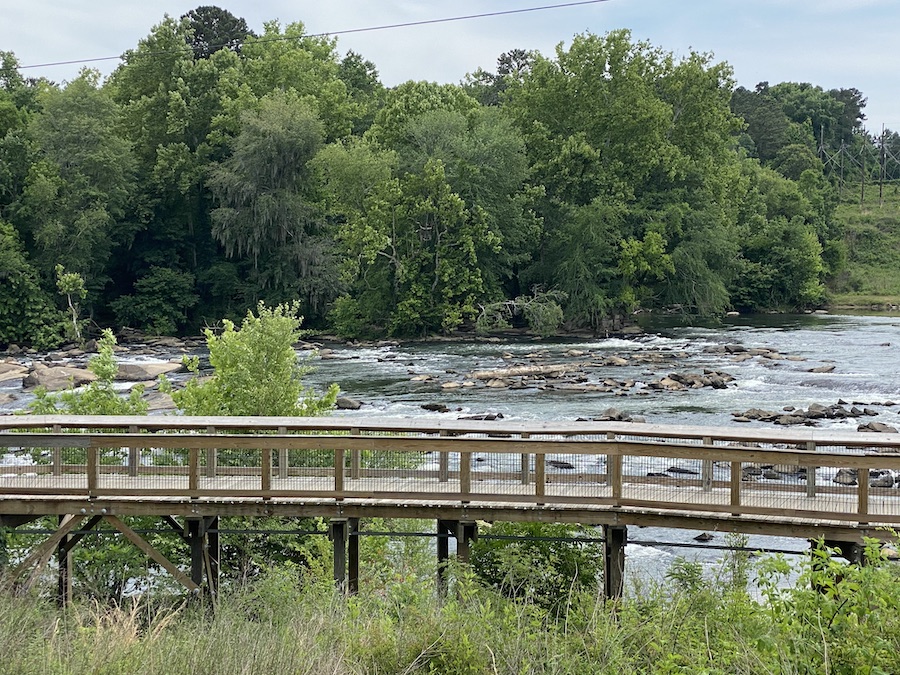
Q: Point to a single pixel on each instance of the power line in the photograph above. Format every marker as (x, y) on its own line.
(368, 29)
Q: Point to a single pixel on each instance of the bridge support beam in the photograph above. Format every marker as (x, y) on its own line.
(851, 551)
(614, 539)
(344, 535)
(465, 532)
(202, 535)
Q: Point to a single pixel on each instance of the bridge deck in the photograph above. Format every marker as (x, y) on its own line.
(589, 472)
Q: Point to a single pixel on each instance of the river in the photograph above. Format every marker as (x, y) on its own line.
(864, 350)
(397, 379)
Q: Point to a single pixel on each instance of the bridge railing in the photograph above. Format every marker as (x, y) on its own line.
(804, 474)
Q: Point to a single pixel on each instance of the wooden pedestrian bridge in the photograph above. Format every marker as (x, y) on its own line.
(88, 469)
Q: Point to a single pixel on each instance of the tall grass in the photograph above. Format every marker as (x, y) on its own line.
(837, 619)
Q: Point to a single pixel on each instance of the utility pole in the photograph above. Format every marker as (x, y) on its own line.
(862, 193)
(841, 183)
(881, 174)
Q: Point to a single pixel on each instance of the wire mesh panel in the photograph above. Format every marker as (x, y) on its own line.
(785, 473)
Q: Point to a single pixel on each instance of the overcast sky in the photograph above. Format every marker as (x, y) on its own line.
(831, 43)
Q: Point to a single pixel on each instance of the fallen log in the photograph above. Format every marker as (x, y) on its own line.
(525, 371)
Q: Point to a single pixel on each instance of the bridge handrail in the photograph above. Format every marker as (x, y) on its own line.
(341, 458)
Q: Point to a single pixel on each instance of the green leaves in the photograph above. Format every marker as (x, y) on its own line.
(256, 370)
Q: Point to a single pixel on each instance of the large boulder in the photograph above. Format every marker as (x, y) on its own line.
(845, 477)
(158, 400)
(143, 372)
(347, 403)
(12, 371)
(877, 427)
(56, 378)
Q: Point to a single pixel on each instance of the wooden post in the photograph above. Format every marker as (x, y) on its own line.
(611, 437)
(540, 476)
(339, 471)
(355, 459)
(265, 469)
(444, 528)
(134, 454)
(862, 478)
(353, 556)
(736, 476)
(212, 554)
(195, 540)
(615, 538)
(57, 453)
(443, 463)
(465, 474)
(212, 456)
(337, 532)
(283, 457)
(525, 467)
(93, 471)
(466, 533)
(614, 469)
(811, 473)
(64, 558)
(194, 471)
(707, 468)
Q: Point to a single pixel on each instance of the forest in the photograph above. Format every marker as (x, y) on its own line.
(216, 168)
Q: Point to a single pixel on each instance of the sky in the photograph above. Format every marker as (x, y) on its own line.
(830, 43)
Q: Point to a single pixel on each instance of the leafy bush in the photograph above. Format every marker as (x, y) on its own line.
(97, 398)
(547, 568)
(256, 370)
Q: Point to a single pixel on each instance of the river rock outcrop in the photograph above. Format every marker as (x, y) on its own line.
(142, 372)
(790, 416)
(56, 378)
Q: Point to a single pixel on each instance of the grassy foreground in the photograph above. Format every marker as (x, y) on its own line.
(836, 619)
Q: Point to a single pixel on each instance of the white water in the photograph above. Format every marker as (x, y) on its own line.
(864, 350)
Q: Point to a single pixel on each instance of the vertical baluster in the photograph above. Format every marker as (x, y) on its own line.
(540, 476)
(283, 457)
(811, 472)
(355, 458)
(134, 454)
(443, 462)
(525, 464)
(93, 470)
(212, 457)
(57, 453)
(707, 467)
(194, 471)
(614, 464)
(736, 471)
(465, 475)
(863, 479)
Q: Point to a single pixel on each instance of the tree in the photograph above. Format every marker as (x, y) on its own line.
(27, 314)
(484, 161)
(634, 151)
(160, 303)
(255, 370)
(489, 88)
(71, 285)
(176, 114)
(214, 28)
(266, 211)
(304, 66)
(79, 187)
(416, 248)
